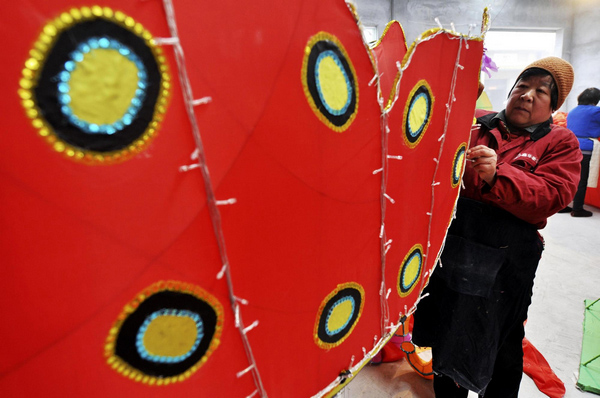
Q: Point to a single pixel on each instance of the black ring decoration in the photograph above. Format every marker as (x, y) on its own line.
(318, 48)
(456, 166)
(46, 91)
(406, 289)
(322, 329)
(413, 138)
(125, 346)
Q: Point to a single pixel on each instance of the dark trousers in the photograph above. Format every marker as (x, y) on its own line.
(506, 379)
(582, 187)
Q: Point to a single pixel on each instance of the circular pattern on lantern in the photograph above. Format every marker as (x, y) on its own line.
(95, 86)
(338, 315)
(165, 334)
(458, 164)
(417, 113)
(329, 81)
(410, 271)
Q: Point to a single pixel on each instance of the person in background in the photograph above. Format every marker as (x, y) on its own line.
(584, 121)
(520, 170)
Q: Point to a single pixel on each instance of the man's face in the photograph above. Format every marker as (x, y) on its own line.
(529, 102)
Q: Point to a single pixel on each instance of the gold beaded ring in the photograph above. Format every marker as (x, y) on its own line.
(338, 315)
(165, 334)
(410, 271)
(95, 85)
(330, 82)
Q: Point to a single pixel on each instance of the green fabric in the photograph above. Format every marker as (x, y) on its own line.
(589, 368)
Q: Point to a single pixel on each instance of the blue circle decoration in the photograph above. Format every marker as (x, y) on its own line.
(320, 47)
(458, 165)
(415, 131)
(129, 344)
(54, 84)
(406, 286)
(351, 293)
(330, 312)
(64, 78)
(419, 104)
(143, 352)
(332, 55)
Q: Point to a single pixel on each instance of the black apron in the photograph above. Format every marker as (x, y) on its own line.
(478, 293)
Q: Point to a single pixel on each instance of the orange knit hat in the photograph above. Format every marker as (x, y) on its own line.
(562, 73)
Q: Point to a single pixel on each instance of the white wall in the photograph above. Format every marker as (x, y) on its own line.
(576, 21)
(585, 48)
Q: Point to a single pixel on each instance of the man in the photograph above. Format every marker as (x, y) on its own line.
(520, 170)
(584, 121)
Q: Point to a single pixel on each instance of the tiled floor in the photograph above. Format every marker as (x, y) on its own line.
(569, 272)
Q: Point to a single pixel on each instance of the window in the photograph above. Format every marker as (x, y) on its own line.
(370, 34)
(512, 51)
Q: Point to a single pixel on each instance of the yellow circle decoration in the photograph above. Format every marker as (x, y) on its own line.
(410, 271)
(334, 84)
(171, 336)
(329, 81)
(165, 334)
(417, 113)
(102, 86)
(95, 86)
(458, 164)
(338, 315)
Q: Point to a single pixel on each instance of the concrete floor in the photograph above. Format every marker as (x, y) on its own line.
(569, 272)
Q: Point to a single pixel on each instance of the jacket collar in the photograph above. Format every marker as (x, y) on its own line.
(491, 120)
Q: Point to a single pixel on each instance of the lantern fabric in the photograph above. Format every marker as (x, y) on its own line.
(218, 199)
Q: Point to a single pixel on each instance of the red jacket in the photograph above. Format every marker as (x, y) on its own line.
(536, 174)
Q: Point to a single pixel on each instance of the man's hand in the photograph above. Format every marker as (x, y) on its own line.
(484, 162)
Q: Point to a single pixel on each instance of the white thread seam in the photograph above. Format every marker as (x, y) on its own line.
(222, 272)
(202, 101)
(231, 201)
(188, 98)
(243, 372)
(185, 168)
(237, 316)
(252, 326)
(373, 80)
(166, 41)
(253, 394)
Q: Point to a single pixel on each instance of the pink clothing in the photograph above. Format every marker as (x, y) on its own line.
(536, 173)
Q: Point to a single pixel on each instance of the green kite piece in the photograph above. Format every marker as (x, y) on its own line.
(589, 368)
